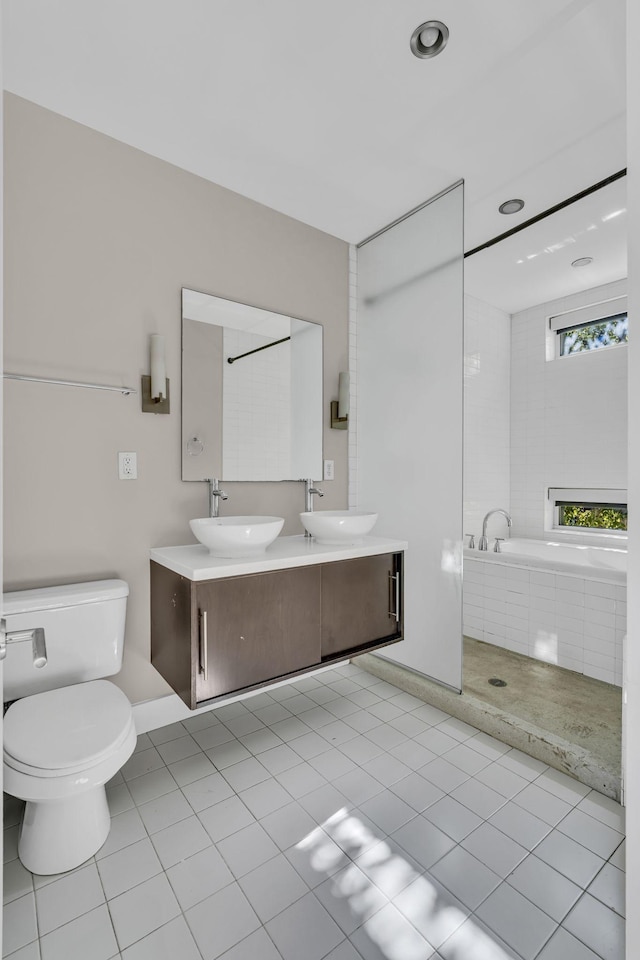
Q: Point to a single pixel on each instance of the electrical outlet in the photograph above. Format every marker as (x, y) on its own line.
(128, 466)
(329, 470)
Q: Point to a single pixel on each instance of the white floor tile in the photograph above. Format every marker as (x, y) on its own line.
(68, 898)
(118, 797)
(618, 859)
(479, 798)
(172, 731)
(609, 888)
(272, 887)
(91, 935)
(423, 841)
(563, 786)
(199, 876)
(473, 940)
(467, 759)
(19, 926)
(388, 811)
(128, 867)
(260, 741)
(600, 929)
(389, 867)
(282, 757)
(303, 779)
(143, 909)
(358, 786)
(431, 715)
(242, 725)
(516, 920)
(225, 818)
(564, 946)
(325, 802)
(453, 818)
(210, 737)
(361, 749)
(520, 825)
(488, 745)
(247, 849)
(221, 921)
(524, 766)
(257, 946)
(495, 849)
(207, 791)
(141, 763)
(179, 749)
(350, 897)
(437, 741)
(469, 880)
(444, 775)
(380, 937)
(266, 797)
(18, 882)
(386, 769)
(604, 809)
(320, 857)
(271, 713)
(417, 792)
(228, 753)
(165, 810)
(171, 942)
(457, 729)
(151, 785)
(240, 776)
(501, 780)
(545, 887)
(333, 763)
(337, 732)
(30, 952)
(290, 729)
(593, 834)
(413, 754)
(288, 825)
(363, 721)
(180, 840)
(385, 736)
(193, 768)
(306, 921)
(543, 805)
(569, 858)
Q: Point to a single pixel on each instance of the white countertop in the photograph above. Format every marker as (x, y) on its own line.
(196, 563)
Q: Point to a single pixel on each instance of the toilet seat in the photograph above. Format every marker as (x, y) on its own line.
(68, 730)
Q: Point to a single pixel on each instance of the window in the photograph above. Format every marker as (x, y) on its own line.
(586, 329)
(593, 336)
(588, 510)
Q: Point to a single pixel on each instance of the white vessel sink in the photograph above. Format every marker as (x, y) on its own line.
(339, 527)
(236, 537)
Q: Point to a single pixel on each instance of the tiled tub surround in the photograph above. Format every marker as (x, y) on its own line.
(339, 818)
(555, 602)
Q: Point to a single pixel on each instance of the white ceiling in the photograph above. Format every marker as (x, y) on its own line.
(319, 110)
(534, 266)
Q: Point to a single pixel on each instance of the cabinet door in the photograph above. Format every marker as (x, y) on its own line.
(361, 602)
(255, 628)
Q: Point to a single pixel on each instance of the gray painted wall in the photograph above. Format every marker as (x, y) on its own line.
(100, 238)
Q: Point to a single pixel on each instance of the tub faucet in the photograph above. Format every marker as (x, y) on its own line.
(309, 492)
(482, 542)
(215, 496)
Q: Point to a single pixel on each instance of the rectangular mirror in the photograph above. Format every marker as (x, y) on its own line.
(251, 392)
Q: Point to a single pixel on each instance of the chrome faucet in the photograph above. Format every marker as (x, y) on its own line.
(215, 496)
(482, 542)
(309, 492)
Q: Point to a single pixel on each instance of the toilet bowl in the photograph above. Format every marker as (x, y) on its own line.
(64, 742)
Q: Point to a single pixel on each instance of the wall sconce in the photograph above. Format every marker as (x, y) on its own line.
(155, 389)
(340, 407)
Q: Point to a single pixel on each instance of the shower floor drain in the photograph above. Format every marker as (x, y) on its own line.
(496, 682)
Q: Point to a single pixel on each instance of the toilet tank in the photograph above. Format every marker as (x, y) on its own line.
(84, 635)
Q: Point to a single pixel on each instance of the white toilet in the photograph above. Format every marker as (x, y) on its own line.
(69, 730)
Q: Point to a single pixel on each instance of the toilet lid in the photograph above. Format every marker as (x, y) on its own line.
(68, 727)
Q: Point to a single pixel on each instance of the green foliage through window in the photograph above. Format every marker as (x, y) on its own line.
(593, 336)
(597, 516)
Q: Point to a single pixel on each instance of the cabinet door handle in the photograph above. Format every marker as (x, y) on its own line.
(204, 663)
(394, 596)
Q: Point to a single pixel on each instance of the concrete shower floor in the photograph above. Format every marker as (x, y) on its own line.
(571, 722)
(578, 709)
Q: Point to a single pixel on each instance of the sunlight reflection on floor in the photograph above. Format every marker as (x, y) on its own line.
(416, 920)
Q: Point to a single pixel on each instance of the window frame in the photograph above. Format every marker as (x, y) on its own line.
(582, 316)
(595, 495)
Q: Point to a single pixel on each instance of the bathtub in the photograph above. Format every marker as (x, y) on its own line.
(557, 602)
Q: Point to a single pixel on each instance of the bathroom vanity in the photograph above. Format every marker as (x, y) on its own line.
(222, 626)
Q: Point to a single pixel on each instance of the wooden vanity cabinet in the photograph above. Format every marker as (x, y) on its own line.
(212, 638)
(361, 602)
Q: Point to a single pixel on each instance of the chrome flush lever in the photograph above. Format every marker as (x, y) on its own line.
(36, 636)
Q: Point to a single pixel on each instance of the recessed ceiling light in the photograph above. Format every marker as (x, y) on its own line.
(511, 206)
(582, 262)
(429, 39)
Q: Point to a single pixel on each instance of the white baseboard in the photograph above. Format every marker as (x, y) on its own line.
(151, 714)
